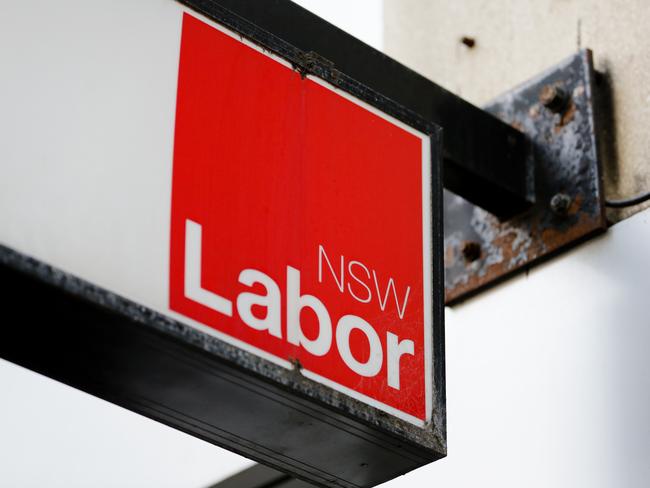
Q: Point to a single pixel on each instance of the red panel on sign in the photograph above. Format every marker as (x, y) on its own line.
(297, 222)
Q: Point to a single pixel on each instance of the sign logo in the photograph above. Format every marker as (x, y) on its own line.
(301, 223)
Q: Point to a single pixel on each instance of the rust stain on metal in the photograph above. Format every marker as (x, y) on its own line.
(517, 254)
(566, 117)
(576, 204)
(565, 160)
(553, 237)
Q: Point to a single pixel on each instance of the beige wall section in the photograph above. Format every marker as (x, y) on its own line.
(516, 39)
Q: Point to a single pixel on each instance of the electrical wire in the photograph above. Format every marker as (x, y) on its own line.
(629, 201)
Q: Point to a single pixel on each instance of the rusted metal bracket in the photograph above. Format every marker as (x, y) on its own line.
(556, 113)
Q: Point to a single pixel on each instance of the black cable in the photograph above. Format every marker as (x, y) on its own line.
(628, 202)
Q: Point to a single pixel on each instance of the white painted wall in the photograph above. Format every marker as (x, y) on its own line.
(364, 19)
(54, 436)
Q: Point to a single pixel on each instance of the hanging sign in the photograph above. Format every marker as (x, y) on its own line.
(301, 223)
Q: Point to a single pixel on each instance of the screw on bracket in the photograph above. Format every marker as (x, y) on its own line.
(553, 98)
(560, 204)
(471, 251)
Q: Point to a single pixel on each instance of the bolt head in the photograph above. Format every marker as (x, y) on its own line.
(553, 98)
(560, 204)
(471, 251)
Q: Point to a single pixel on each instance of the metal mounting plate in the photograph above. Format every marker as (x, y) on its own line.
(479, 249)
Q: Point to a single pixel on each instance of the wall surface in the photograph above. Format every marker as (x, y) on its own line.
(54, 436)
(517, 39)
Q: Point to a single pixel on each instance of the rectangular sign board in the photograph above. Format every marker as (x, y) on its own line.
(301, 223)
(261, 232)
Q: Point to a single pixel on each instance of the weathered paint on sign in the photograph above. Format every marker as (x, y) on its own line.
(301, 223)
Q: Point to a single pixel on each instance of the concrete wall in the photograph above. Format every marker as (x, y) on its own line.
(516, 39)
